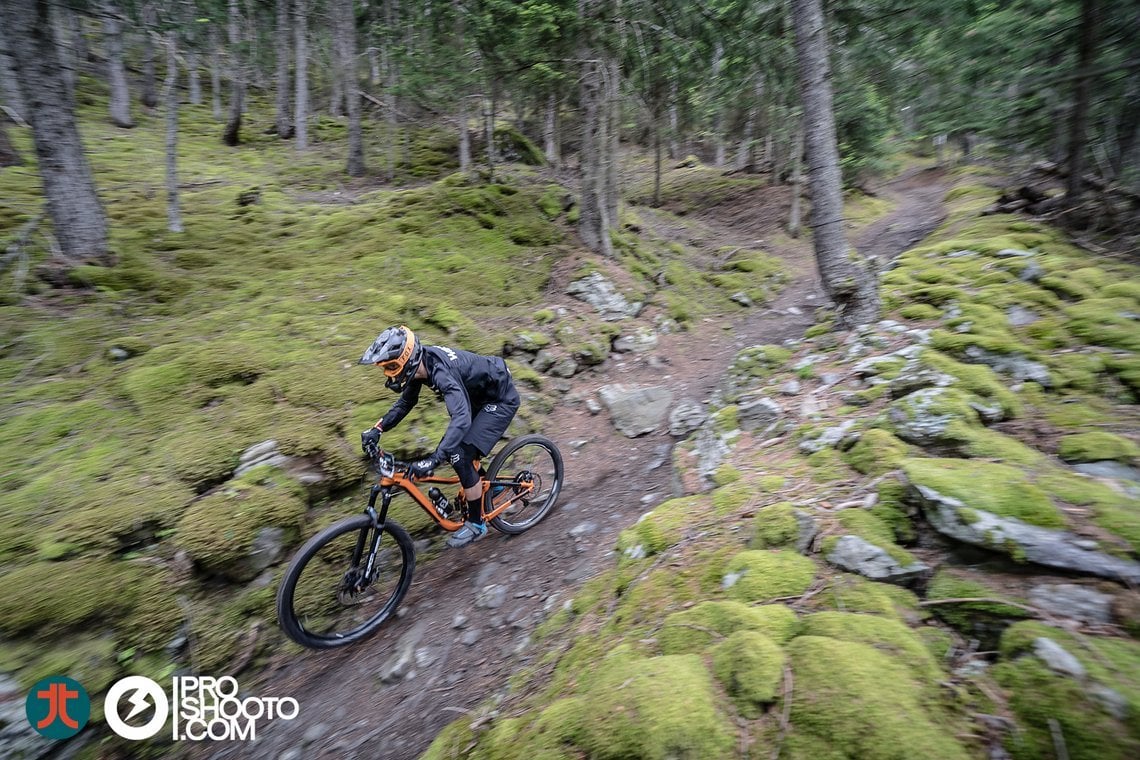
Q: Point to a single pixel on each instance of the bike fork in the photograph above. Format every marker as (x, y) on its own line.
(377, 527)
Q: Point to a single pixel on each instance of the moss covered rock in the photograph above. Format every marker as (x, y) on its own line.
(876, 452)
(756, 576)
(1096, 447)
(1008, 491)
(750, 666)
(238, 532)
(852, 696)
(693, 630)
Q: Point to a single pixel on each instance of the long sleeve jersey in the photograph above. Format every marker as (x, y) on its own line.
(465, 381)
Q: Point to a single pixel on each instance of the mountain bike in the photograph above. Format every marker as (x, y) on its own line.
(349, 578)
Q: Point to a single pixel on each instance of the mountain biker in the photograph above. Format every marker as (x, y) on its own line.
(480, 397)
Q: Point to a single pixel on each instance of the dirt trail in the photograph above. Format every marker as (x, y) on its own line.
(345, 712)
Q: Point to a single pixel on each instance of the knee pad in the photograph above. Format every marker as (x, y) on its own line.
(463, 460)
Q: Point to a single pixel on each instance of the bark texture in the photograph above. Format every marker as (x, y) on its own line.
(76, 213)
(194, 78)
(281, 44)
(355, 165)
(232, 134)
(849, 281)
(301, 74)
(9, 85)
(215, 74)
(148, 97)
(464, 136)
(1086, 55)
(9, 156)
(170, 95)
(550, 131)
(120, 98)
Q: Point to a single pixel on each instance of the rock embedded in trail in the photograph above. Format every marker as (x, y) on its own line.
(639, 342)
(1015, 365)
(636, 410)
(757, 413)
(1069, 600)
(857, 555)
(686, 417)
(600, 293)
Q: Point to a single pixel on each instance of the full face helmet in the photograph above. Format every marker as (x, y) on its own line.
(398, 353)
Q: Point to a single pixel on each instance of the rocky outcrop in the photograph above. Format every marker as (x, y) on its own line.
(857, 555)
(600, 293)
(636, 411)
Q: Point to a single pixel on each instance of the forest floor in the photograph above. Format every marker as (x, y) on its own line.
(610, 481)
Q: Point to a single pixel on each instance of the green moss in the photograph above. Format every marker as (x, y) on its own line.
(884, 634)
(851, 593)
(1105, 322)
(695, 629)
(1097, 446)
(219, 531)
(970, 617)
(1008, 492)
(775, 526)
(83, 593)
(920, 311)
(725, 420)
(871, 528)
(661, 528)
(1040, 697)
(827, 465)
(1116, 512)
(990, 444)
(876, 452)
(976, 379)
(732, 496)
(750, 666)
(891, 509)
(757, 362)
(763, 575)
(850, 695)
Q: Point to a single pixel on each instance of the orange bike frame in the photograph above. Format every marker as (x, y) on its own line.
(408, 485)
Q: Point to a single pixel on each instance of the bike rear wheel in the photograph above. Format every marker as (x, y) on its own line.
(533, 465)
(329, 597)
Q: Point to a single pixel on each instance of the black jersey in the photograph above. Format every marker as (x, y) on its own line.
(466, 382)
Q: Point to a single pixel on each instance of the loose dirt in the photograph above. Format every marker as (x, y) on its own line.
(610, 480)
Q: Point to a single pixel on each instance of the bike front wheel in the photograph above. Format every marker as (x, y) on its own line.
(528, 474)
(331, 595)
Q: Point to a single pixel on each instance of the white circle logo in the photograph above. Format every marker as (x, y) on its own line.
(141, 693)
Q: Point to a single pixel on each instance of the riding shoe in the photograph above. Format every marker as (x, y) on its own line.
(468, 533)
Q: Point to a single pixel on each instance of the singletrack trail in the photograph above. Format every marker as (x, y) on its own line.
(345, 710)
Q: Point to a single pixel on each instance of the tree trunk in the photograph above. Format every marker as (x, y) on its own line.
(1086, 55)
(148, 97)
(9, 156)
(853, 286)
(674, 120)
(120, 101)
(336, 58)
(373, 67)
(656, 162)
(301, 74)
(215, 73)
(797, 182)
(550, 131)
(392, 81)
(746, 157)
(9, 84)
(61, 33)
(284, 120)
(192, 76)
(718, 112)
(464, 136)
(76, 213)
(170, 95)
(1127, 128)
(355, 166)
(489, 131)
(232, 134)
(78, 39)
(613, 142)
(593, 223)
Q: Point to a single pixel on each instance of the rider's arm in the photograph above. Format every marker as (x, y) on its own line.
(403, 405)
(458, 406)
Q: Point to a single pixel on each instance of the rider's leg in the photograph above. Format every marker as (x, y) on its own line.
(464, 463)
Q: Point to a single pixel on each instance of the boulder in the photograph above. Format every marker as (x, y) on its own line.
(600, 293)
(925, 416)
(636, 411)
(857, 555)
(639, 342)
(757, 413)
(686, 417)
(1032, 543)
(828, 439)
(1069, 600)
(1015, 365)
